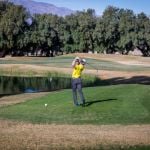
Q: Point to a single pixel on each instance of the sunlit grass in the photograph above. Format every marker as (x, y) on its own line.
(121, 104)
(65, 62)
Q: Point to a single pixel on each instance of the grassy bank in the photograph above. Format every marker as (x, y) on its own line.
(120, 104)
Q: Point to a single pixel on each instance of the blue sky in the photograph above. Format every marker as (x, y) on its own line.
(99, 5)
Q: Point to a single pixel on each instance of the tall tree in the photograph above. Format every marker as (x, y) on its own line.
(127, 23)
(143, 34)
(11, 26)
(110, 21)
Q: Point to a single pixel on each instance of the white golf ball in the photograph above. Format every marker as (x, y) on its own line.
(45, 105)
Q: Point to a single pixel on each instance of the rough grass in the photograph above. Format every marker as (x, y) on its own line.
(19, 136)
(109, 66)
(65, 62)
(6, 100)
(120, 104)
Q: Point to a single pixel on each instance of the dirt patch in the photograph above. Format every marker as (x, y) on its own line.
(19, 98)
(18, 136)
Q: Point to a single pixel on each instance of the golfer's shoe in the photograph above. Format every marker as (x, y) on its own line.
(76, 104)
(83, 105)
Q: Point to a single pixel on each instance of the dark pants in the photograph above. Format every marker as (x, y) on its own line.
(77, 85)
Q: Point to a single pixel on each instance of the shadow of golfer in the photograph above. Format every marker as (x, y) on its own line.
(88, 103)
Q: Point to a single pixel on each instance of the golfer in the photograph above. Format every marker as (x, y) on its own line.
(78, 67)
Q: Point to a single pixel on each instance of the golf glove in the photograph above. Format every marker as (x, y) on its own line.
(73, 62)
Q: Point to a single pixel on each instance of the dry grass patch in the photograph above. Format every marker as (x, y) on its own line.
(123, 59)
(42, 71)
(23, 69)
(18, 136)
(19, 98)
(19, 69)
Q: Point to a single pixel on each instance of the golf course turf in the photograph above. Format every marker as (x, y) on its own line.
(115, 104)
(116, 115)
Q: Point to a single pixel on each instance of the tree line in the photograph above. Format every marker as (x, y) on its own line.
(116, 30)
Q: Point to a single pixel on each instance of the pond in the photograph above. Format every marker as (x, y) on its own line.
(16, 85)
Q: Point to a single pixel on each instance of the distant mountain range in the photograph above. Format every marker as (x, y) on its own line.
(41, 8)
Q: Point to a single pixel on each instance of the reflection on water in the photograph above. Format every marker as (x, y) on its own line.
(30, 90)
(15, 85)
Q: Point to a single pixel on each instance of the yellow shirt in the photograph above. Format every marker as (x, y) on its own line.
(77, 71)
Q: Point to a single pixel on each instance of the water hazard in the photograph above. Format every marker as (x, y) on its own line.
(15, 85)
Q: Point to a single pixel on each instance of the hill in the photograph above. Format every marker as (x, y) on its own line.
(41, 8)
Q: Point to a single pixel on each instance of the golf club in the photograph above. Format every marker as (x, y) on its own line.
(95, 68)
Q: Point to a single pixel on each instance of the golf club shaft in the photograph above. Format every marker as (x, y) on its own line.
(92, 66)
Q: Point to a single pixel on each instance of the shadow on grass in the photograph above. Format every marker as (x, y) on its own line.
(133, 80)
(3, 95)
(144, 80)
(88, 103)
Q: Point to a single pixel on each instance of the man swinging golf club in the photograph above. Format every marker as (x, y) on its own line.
(78, 67)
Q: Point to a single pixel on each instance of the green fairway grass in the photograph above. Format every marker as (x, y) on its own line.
(116, 104)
